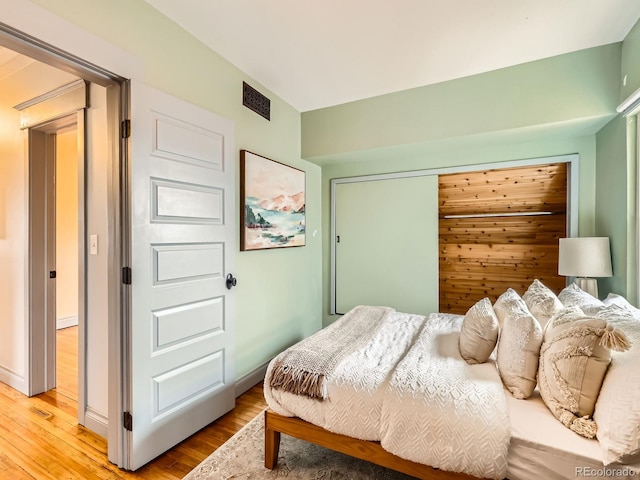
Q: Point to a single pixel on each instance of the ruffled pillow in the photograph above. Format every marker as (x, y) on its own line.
(617, 411)
(574, 358)
(479, 332)
(542, 302)
(519, 344)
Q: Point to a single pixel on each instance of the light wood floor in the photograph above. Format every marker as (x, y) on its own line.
(40, 437)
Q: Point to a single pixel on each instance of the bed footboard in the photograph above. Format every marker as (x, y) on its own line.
(275, 424)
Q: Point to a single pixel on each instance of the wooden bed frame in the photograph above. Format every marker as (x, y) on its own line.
(275, 424)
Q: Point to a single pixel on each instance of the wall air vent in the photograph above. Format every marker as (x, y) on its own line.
(254, 100)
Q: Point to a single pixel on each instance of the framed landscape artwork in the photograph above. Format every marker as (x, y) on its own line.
(272, 204)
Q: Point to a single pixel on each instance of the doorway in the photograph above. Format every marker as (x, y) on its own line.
(56, 250)
(56, 240)
(35, 119)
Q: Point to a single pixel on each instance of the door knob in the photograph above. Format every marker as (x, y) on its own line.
(231, 281)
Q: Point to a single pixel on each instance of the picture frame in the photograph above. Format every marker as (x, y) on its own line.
(272, 204)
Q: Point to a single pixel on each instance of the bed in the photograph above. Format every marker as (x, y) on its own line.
(395, 395)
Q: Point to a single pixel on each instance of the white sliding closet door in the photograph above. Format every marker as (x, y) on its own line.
(387, 244)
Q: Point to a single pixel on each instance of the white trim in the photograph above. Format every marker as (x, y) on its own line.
(251, 379)
(14, 380)
(66, 322)
(630, 105)
(333, 267)
(96, 422)
(573, 181)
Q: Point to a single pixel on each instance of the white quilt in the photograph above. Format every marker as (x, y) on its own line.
(409, 389)
(442, 412)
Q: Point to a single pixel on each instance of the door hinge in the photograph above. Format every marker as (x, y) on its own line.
(126, 275)
(127, 421)
(125, 128)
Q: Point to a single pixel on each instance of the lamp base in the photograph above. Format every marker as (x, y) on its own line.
(589, 285)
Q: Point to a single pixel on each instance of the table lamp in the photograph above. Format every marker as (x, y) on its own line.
(585, 258)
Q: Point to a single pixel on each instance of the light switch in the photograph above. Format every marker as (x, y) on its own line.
(93, 244)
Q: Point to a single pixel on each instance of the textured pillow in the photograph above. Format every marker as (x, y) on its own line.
(519, 344)
(617, 410)
(574, 295)
(479, 332)
(619, 300)
(542, 302)
(573, 362)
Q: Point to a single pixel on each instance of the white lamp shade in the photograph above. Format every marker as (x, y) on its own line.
(584, 257)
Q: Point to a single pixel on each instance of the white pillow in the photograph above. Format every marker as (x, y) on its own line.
(617, 411)
(615, 299)
(573, 295)
(519, 344)
(479, 333)
(542, 302)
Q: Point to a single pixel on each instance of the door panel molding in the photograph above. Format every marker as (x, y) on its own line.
(181, 377)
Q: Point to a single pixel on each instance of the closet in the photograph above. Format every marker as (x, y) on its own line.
(442, 239)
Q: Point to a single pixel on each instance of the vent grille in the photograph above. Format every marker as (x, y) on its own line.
(254, 100)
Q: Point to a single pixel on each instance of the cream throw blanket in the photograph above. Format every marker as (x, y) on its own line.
(303, 368)
(442, 412)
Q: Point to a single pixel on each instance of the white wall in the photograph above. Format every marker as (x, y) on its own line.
(13, 250)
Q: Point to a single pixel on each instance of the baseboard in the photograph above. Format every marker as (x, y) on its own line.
(252, 378)
(96, 422)
(65, 322)
(14, 380)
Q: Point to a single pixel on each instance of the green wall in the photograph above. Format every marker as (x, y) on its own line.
(279, 292)
(540, 109)
(611, 205)
(616, 188)
(577, 89)
(630, 63)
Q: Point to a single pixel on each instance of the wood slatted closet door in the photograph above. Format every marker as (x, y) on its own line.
(499, 229)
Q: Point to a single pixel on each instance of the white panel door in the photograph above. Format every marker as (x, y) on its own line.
(182, 248)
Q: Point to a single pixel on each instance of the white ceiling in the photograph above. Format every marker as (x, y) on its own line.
(315, 54)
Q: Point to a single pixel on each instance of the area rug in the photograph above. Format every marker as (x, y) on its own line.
(242, 457)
